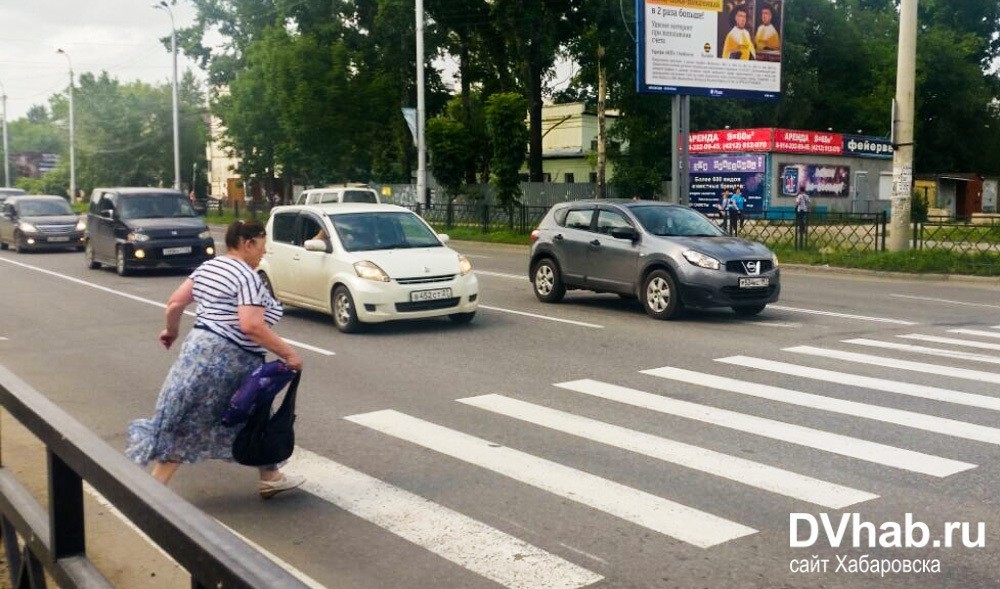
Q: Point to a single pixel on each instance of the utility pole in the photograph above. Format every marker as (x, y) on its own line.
(162, 5)
(6, 153)
(902, 136)
(421, 111)
(602, 91)
(72, 132)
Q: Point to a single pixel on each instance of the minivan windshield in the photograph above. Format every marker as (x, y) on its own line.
(43, 208)
(675, 221)
(382, 231)
(155, 206)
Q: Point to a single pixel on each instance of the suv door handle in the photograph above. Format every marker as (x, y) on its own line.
(557, 236)
(596, 242)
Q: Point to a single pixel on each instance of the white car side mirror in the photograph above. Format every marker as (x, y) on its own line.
(316, 245)
(443, 237)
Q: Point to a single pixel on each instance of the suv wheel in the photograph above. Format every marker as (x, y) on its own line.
(748, 310)
(342, 308)
(660, 297)
(546, 282)
(88, 253)
(120, 265)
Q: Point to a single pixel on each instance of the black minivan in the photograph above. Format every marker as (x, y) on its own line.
(145, 228)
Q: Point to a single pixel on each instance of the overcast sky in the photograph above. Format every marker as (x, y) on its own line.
(119, 36)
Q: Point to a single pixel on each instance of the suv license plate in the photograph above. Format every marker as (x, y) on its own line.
(761, 282)
(430, 295)
(173, 251)
(58, 239)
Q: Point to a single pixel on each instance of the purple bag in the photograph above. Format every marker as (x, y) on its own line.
(260, 387)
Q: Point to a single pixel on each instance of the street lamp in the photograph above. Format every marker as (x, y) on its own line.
(72, 132)
(162, 5)
(6, 153)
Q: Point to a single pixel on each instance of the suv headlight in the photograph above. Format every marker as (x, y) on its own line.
(370, 271)
(464, 265)
(27, 227)
(136, 237)
(81, 225)
(774, 258)
(701, 260)
(206, 234)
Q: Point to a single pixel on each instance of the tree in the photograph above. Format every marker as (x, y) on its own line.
(509, 138)
(448, 142)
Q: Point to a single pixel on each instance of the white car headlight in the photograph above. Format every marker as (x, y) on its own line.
(206, 234)
(370, 271)
(81, 225)
(464, 265)
(701, 260)
(27, 227)
(136, 237)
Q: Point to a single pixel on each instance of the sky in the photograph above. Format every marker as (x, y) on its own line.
(121, 37)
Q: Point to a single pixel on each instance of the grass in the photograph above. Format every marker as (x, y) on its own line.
(471, 234)
(913, 261)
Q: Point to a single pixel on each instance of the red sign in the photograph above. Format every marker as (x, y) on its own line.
(817, 142)
(730, 141)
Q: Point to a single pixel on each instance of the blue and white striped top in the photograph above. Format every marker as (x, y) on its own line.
(221, 285)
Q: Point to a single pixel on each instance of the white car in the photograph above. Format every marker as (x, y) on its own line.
(365, 263)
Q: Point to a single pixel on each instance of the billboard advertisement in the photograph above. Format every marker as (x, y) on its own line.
(816, 179)
(709, 176)
(710, 47)
(730, 141)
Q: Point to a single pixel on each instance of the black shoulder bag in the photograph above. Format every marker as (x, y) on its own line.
(268, 439)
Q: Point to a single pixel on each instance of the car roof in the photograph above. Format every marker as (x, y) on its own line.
(24, 197)
(341, 187)
(342, 208)
(129, 190)
(624, 202)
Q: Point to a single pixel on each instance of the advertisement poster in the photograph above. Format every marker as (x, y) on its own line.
(817, 180)
(710, 47)
(710, 176)
(730, 141)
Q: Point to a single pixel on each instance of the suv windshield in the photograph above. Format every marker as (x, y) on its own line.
(359, 196)
(382, 231)
(675, 221)
(43, 208)
(156, 206)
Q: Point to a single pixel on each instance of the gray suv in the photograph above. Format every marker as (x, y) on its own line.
(669, 256)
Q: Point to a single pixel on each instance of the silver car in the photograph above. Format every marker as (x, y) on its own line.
(669, 256)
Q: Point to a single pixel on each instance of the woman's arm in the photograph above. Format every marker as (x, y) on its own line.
(253, 325)
(182, 297)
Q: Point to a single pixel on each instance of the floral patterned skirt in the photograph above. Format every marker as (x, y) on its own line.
(186, 426)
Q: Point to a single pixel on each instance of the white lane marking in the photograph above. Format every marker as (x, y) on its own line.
(457, 538)
(878, 384)
(523, 277)
(970, 356)
(146, 301)
(587, 554)
(103, 502)
(774, 323)
(741, 470)
(951, 340)
(633, 505)
(776, 430)
(933, 300)
(911, 419)
(3, 339)
(976, 332)
(841, 315)
(963, 373)
(546, 317)
(476, 256)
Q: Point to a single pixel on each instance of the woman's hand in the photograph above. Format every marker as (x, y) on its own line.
(293, 360)
(167, 338)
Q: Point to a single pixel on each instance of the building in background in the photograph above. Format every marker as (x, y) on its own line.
(569, 143)
(223, 181)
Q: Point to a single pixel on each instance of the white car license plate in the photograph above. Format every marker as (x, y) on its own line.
(430, 295)
(173, 251)
(759, 282)
(58, 239)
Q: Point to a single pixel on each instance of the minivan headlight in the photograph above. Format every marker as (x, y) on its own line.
(464, 265)
(206, 234)
(701, 260)
(370, 271)
(27, 227)
(81, 224)
(136, 237)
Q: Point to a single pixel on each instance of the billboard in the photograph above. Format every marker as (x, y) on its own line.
(710, 47)
(709, 176)
(816, 179)
(730, 141)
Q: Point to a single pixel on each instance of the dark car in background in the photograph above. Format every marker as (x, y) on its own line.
(38, 222)
(669, 256)
(145, 228)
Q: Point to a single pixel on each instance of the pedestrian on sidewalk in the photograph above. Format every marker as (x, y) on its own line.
(802, 202)
(232, 331)
(736, 205)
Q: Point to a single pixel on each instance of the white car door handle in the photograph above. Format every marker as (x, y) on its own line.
(296, 258)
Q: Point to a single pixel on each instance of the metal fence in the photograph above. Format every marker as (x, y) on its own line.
(850, 232)
(53, 538)
(483, 217)
(976, 244)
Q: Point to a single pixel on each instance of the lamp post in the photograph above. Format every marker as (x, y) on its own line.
(162, 5)
(72, 132)
(6, 153)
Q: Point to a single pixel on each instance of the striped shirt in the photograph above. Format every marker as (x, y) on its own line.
(221, 286)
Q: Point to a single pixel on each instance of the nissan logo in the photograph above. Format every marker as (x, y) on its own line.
(752, 267)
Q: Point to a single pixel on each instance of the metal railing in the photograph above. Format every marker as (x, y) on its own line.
(483, 217)
(54, 538)
(977, 244)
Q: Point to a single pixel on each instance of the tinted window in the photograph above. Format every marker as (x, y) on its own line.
(326, 197)
(378, 231)
(43, 208)
(607, 221)
(666, 221)
(308, 229)
(155, 206)
(283, 228)
(579, 219)
(359, 196)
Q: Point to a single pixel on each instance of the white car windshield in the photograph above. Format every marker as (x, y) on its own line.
(382, 231)
(675, 221)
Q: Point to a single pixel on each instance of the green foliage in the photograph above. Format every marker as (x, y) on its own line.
(918, 206)
(509, 138)
(54, 182)
(448, 142)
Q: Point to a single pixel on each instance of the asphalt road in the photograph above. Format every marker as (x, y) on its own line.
(581, 444)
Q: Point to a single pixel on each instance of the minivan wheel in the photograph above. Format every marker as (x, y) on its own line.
(546, 282)
(120, 266)
(748, 310)
(88, 253)
(660, 297)
(345, 317)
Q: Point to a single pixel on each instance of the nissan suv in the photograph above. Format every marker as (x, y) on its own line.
(669, 256)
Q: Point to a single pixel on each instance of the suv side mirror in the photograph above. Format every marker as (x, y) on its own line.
(108, 214)
(317, 245)
(625, 233)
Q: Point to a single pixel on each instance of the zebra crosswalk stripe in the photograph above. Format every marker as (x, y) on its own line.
(466, 542)
(874, 452)
(963, 373)
(639, 507)
(951, 340)
(754, 474)
(911, 419)
(972, 357)
(977, 332)
(868, 382)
